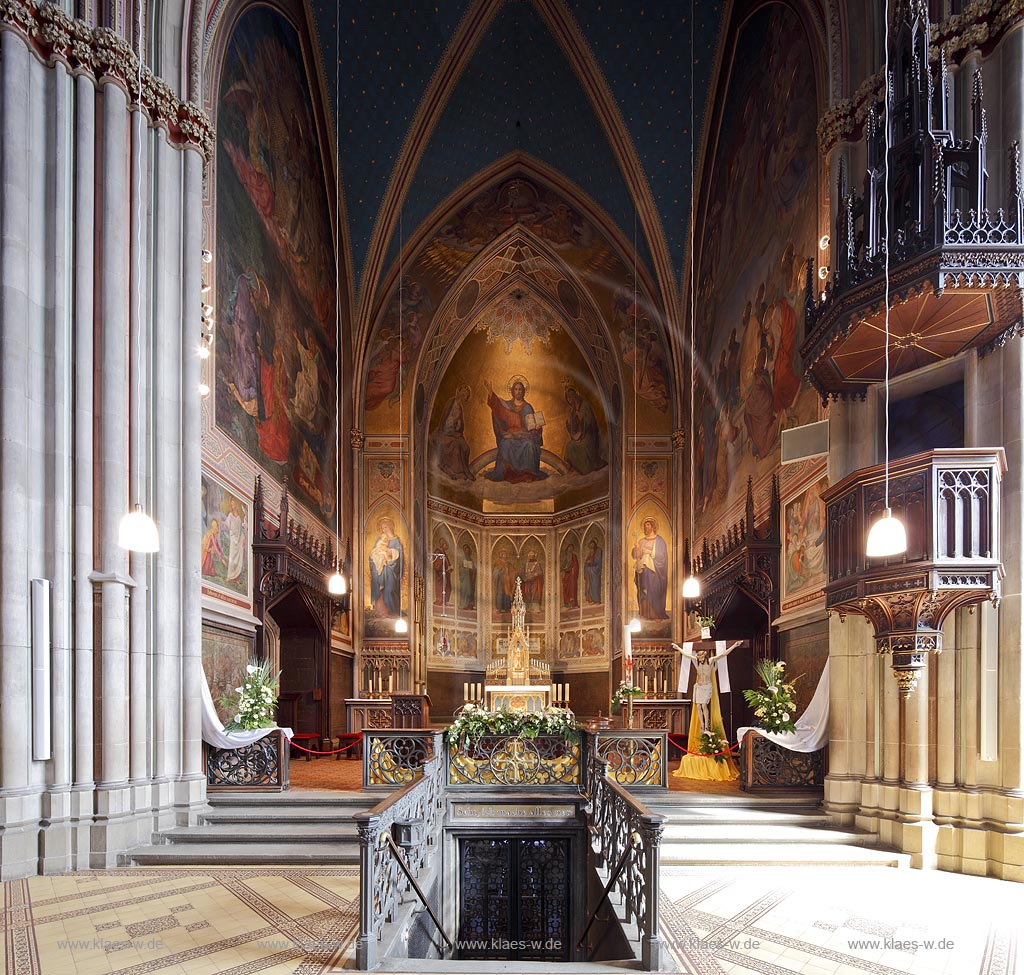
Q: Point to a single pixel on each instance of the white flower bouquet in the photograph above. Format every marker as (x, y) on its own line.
(774, 705)
(254, 703)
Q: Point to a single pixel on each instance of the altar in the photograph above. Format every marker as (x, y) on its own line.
(517, 680)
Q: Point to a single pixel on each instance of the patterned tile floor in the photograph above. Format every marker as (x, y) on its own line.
(716, 921)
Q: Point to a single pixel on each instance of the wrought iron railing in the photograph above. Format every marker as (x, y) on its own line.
(394, 757)
(261, 766)
(634, 757)
(764, 765)
(416, 811)
(626, 836)
(515, 760)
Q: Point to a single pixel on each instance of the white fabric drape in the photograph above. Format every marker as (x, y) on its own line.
(724, 687)
(214, 733)
(811, 728)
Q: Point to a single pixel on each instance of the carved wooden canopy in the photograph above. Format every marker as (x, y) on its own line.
(744, 560)
(955, 268)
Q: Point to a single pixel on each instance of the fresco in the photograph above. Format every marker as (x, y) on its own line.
(803, 550)
(592, 588)
(529, 427)
(516, 318)
(751, 269)
(523, 558)
(386, 546)
(225, 549)
(649, 576)
(274, 391)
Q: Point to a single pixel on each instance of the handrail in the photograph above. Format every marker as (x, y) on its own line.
(422, 799)
(616, 817)
(397, 854)
(620, 866)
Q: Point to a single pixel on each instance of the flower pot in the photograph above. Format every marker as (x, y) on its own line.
(705, 632)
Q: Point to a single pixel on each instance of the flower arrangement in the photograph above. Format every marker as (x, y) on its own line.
(475, 722)
(712, 746)
(624, 694)
(705, 623)
(774, 705)
(255, 701)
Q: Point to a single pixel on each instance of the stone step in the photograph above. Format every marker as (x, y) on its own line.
(778, 855)
(760, 833)
(295, 797)
(246, 854)
(271, 836)
(740, 817)
(294, 815)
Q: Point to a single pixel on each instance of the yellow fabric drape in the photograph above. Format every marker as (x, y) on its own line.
(701, 766)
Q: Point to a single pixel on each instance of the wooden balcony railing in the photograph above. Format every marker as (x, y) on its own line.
(949, 502)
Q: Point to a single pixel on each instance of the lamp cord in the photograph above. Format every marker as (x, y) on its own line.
(693, 299)
(337, 290)
(888, 227)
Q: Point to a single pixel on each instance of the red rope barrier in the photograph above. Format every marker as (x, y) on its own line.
(337, 751)
(673, 739)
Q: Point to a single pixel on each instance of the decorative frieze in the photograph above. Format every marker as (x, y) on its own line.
(107, 57)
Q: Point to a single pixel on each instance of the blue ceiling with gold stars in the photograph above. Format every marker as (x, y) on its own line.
(518, 71)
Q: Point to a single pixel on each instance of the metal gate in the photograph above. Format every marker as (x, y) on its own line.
(514, 898)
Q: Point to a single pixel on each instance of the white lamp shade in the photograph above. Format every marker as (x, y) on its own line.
(137, 532)
(691, 588)
(886, 537)
(336, 585)
(401, 626)
(635, 625)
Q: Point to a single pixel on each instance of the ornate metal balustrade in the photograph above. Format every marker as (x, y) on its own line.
(393, 758)
(949, 502)
(618, 821)
(765, 765)
(418, 808)
(956, 268)
(259, 767)
(514, 760)
(634, 757)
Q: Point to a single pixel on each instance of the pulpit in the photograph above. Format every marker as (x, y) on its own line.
(517, 681)
(410, 711)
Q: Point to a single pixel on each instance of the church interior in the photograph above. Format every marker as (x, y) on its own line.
(511, 482)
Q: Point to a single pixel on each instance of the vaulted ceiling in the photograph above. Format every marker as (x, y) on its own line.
(428, 94)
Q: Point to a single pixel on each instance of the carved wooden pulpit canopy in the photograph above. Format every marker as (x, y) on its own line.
(949, 502)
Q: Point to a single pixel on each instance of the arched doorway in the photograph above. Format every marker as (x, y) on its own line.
(301, 652)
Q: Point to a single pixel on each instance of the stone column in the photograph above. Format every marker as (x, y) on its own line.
(192, 775)
(138, 449)
(83, 272)
(111, 502)
(167, 397)
(15, 202)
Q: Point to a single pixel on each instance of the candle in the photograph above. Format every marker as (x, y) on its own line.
(465, 692)
(391, 683)
(646, 685)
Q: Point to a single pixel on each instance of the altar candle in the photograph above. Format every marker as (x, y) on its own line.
(465, 692)
(391, 683)
(646, 684)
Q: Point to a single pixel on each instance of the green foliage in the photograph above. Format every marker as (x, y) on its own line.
(712, 746)
(622, 692)
(705, 622)
(475, 722)
(255, 701)
(774, 705)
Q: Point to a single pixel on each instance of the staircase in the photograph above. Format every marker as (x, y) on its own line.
(291, 829)
(716, 830)
(315, 828)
